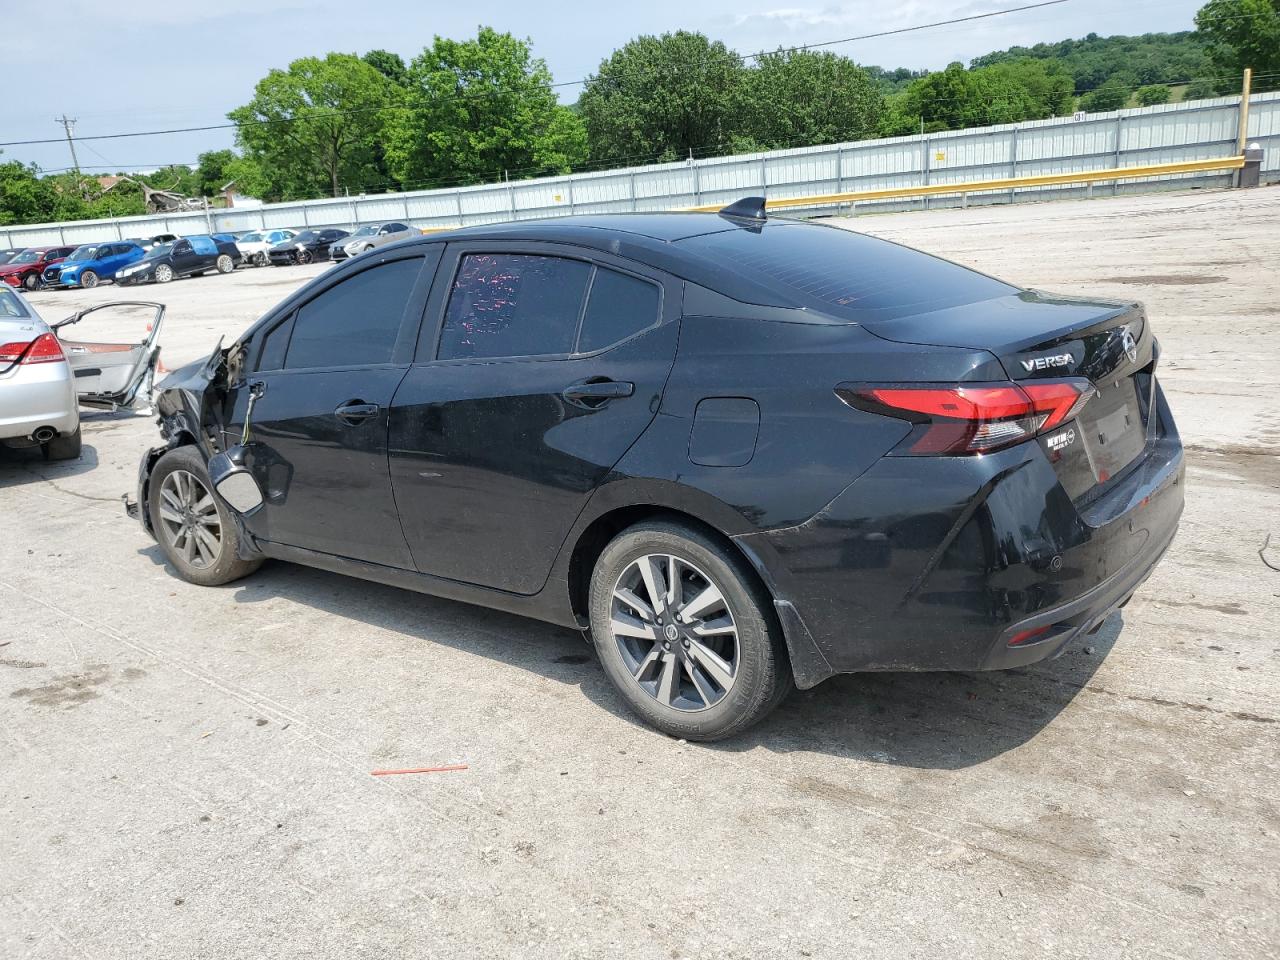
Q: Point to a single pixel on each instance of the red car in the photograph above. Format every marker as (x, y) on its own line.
(25, 269)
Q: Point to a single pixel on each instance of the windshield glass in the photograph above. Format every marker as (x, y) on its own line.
(250, 238)
(847, 274)
(10, 305)
(27, 256)
(306, 236)
(159, 250)
(84, 253)
(366, 231)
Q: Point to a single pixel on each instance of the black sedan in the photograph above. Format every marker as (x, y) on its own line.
(183, 257)
(306, 247)
(741, 452)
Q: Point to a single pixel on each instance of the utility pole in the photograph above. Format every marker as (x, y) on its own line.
(68, 126)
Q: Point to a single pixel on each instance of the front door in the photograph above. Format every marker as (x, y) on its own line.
(543, 365)
(318, 445)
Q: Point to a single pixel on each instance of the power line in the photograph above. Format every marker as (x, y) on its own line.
(567, 83)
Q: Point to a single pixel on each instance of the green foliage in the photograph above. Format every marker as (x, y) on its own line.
(805, 98)
(314, 128)
(1153, 94)
(1242, 33)
(476, 108)
(1093, 60)
(1004, 92)
(390, 65)
(1200, 90)
(1112, 95)
(658, 98)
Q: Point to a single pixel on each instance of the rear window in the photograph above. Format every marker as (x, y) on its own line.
(847, 274)
(10, 305)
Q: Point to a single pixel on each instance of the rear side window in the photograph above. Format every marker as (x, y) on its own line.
(355, 322)
(619, 306)
(847, 274)
(513, 305)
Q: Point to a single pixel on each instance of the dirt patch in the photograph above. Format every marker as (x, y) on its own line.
(1257, 465)
(1168, 279)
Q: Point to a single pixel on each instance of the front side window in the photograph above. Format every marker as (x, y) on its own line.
(355, 322)
(513, 305)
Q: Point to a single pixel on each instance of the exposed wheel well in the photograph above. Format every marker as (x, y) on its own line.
(607, 526)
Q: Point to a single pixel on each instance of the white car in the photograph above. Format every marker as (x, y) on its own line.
(254, 246)
(369, 236)
(38, 404)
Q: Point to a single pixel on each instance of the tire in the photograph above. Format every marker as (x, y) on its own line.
(66, 447)
(724, 666)
(88, 280)
(163, 273)
(179, 486)
(260, 259)
(304, 257)
(31, 281)
(225, 264)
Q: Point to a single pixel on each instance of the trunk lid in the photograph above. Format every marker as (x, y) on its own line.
(1037, 336)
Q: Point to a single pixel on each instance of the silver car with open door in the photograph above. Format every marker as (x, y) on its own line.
(37, 393)
(111, 373)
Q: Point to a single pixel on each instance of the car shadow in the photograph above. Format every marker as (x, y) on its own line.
(925, 720)
(28, 465)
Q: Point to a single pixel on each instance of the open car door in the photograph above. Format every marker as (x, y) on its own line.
(112, 374)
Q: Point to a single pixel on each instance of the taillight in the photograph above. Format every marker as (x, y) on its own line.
(971, 418)
(43, 349)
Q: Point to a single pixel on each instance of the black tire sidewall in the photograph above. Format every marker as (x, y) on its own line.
(31, 281)
(228, 566)
(763, 669)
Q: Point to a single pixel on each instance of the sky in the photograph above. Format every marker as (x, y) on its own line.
(170, 64)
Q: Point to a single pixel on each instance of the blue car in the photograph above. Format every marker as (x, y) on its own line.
(91, 263)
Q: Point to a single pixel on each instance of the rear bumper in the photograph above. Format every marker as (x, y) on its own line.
(938, 563)
(35, 396)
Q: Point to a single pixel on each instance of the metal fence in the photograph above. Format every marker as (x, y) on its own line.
(1169, 133)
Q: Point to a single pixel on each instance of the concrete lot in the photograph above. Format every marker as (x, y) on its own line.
(186, 770)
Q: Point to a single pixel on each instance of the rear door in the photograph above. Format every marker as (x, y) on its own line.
(328, 370)
(538, 366)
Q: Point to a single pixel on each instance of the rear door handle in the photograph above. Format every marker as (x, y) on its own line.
(356, 411)
(594, 393)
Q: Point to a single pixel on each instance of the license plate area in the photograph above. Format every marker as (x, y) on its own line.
(1109, 435)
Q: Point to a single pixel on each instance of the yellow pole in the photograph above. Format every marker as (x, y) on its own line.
(1244, 110)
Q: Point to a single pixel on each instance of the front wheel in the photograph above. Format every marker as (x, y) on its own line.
(261, 259)
(164, 273)
(192, 524)
(304, 256)
(686, 633)
(31, 281)
(88, 280)
(225, 264)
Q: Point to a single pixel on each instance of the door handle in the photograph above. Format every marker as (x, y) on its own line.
(356, 412)
(595, 393)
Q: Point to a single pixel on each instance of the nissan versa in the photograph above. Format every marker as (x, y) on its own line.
(742, 452)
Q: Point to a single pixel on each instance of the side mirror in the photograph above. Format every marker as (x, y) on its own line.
(233, 481)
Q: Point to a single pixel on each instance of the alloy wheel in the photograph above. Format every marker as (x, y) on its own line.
(675, 632)
(189, 519)
(88, 280)
(164, 273)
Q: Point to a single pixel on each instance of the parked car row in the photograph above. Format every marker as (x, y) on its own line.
(283, 247)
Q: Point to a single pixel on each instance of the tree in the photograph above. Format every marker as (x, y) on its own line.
(658, 98)
(956, 98)
(1199, 90)
(476, 108)
(1243, 33)
(390, 65)
(1152, 94)
(213, 171)
(804, 98)
(1112, 95)
(313, 129)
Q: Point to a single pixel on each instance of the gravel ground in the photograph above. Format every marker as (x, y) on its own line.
(186, 771)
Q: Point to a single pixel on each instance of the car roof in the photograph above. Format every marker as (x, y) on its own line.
(664, 227)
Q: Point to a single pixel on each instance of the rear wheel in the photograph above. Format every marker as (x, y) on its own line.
(225, 264)
(193, 526)
(164, 273)
(88, 280)
(31, 281)
(65, 447)
(686, 633)
(304, 256)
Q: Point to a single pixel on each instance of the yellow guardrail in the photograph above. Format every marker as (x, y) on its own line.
(1009, 183)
